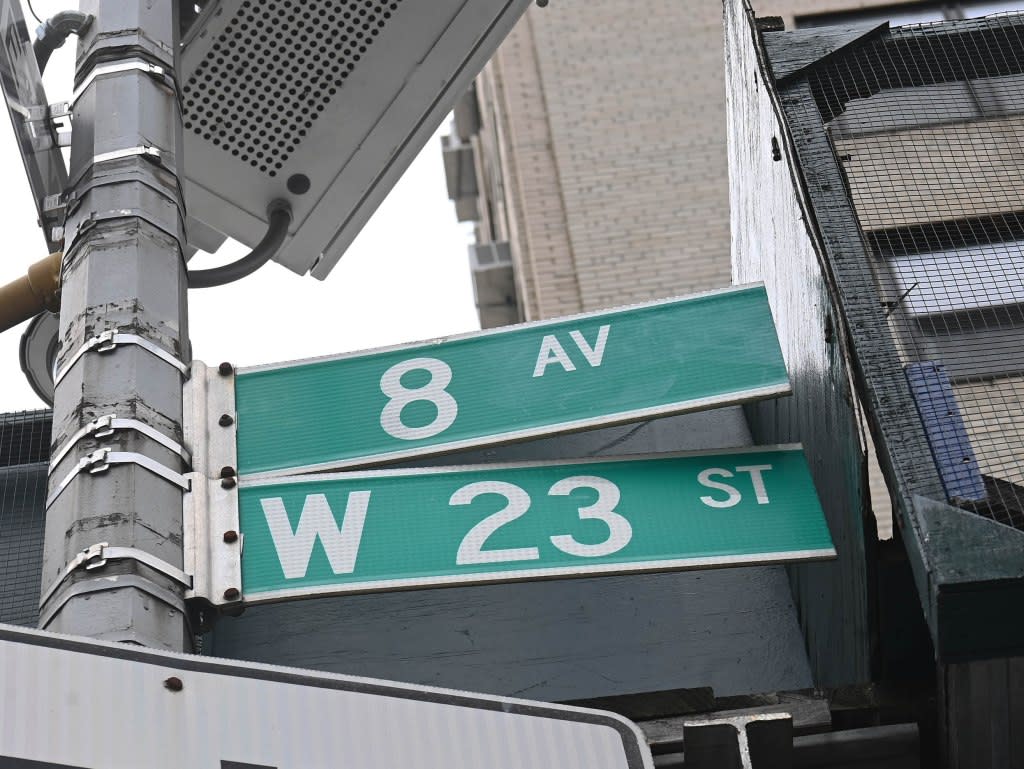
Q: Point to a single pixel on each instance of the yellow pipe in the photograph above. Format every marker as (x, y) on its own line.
(28, 296)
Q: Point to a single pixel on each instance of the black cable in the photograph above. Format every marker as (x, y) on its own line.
(33, 12)
(54, 31)
(280, 215)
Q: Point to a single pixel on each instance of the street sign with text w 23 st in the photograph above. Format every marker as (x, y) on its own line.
(509, 384)
(368, 531)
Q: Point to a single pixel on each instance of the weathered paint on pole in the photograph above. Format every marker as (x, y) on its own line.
(123, 277)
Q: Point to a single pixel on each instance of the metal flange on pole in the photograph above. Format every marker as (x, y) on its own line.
(124, 349)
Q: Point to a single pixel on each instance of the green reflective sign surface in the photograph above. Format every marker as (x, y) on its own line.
(512, 383)
(393, 529)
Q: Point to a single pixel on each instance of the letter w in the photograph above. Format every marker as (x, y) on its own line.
(294, 549)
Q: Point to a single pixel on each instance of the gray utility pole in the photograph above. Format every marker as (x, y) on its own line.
(123, 342)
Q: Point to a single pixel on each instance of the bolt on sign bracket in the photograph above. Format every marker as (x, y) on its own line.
(212, 554)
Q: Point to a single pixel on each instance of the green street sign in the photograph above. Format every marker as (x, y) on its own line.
(517, 382)
(379, 530)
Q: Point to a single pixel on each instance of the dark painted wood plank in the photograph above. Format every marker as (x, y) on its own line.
(1015, 699)
(793, 52)
(845, 265)
(976, 570)
(771, 242)
(997, 679)
(879, 747)
(810, 715)
(732, 630)
(912, 57)
(981, 704)
(653, 705)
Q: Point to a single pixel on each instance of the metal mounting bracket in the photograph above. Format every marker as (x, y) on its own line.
(96, 557)
(102, 585)
(59, 117)
(105, 426)
(52, 215)
(100, 461)
(213, 542)
(50, 122)
(108, 341)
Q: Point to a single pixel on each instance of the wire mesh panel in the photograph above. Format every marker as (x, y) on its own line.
(24, 452)
(928, 122)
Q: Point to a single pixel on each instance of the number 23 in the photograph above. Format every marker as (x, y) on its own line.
(471, 551)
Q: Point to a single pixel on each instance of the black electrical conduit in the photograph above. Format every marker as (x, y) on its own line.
(54, 31)
(51, 36)
(280, 215)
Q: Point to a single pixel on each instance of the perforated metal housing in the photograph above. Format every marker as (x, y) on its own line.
(321, 102)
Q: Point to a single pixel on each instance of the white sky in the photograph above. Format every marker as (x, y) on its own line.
(405, 278)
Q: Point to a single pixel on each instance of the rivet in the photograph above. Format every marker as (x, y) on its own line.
(225, 369)
(173, 684)
(228, 483)
(226, 420)
(231, 594)
(227, 472)
(230, 536)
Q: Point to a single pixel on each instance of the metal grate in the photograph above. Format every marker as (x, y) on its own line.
(24, 452)
(928, 122)
(291, 73)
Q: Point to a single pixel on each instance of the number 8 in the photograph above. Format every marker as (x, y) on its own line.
(433, 391)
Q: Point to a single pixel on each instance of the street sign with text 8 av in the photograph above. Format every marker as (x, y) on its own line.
(518, 382)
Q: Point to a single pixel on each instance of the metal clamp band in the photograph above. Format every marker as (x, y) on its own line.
(102, 585)
(97, 217)
(96, 557)
(73, 198)
(113, 69)
(108, 340)
(154, 153)
(105, 426)
(100, 461)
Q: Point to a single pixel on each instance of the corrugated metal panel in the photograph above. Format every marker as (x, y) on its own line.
(76, 703)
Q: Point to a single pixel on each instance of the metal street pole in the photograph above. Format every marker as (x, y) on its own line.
(113, 549)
